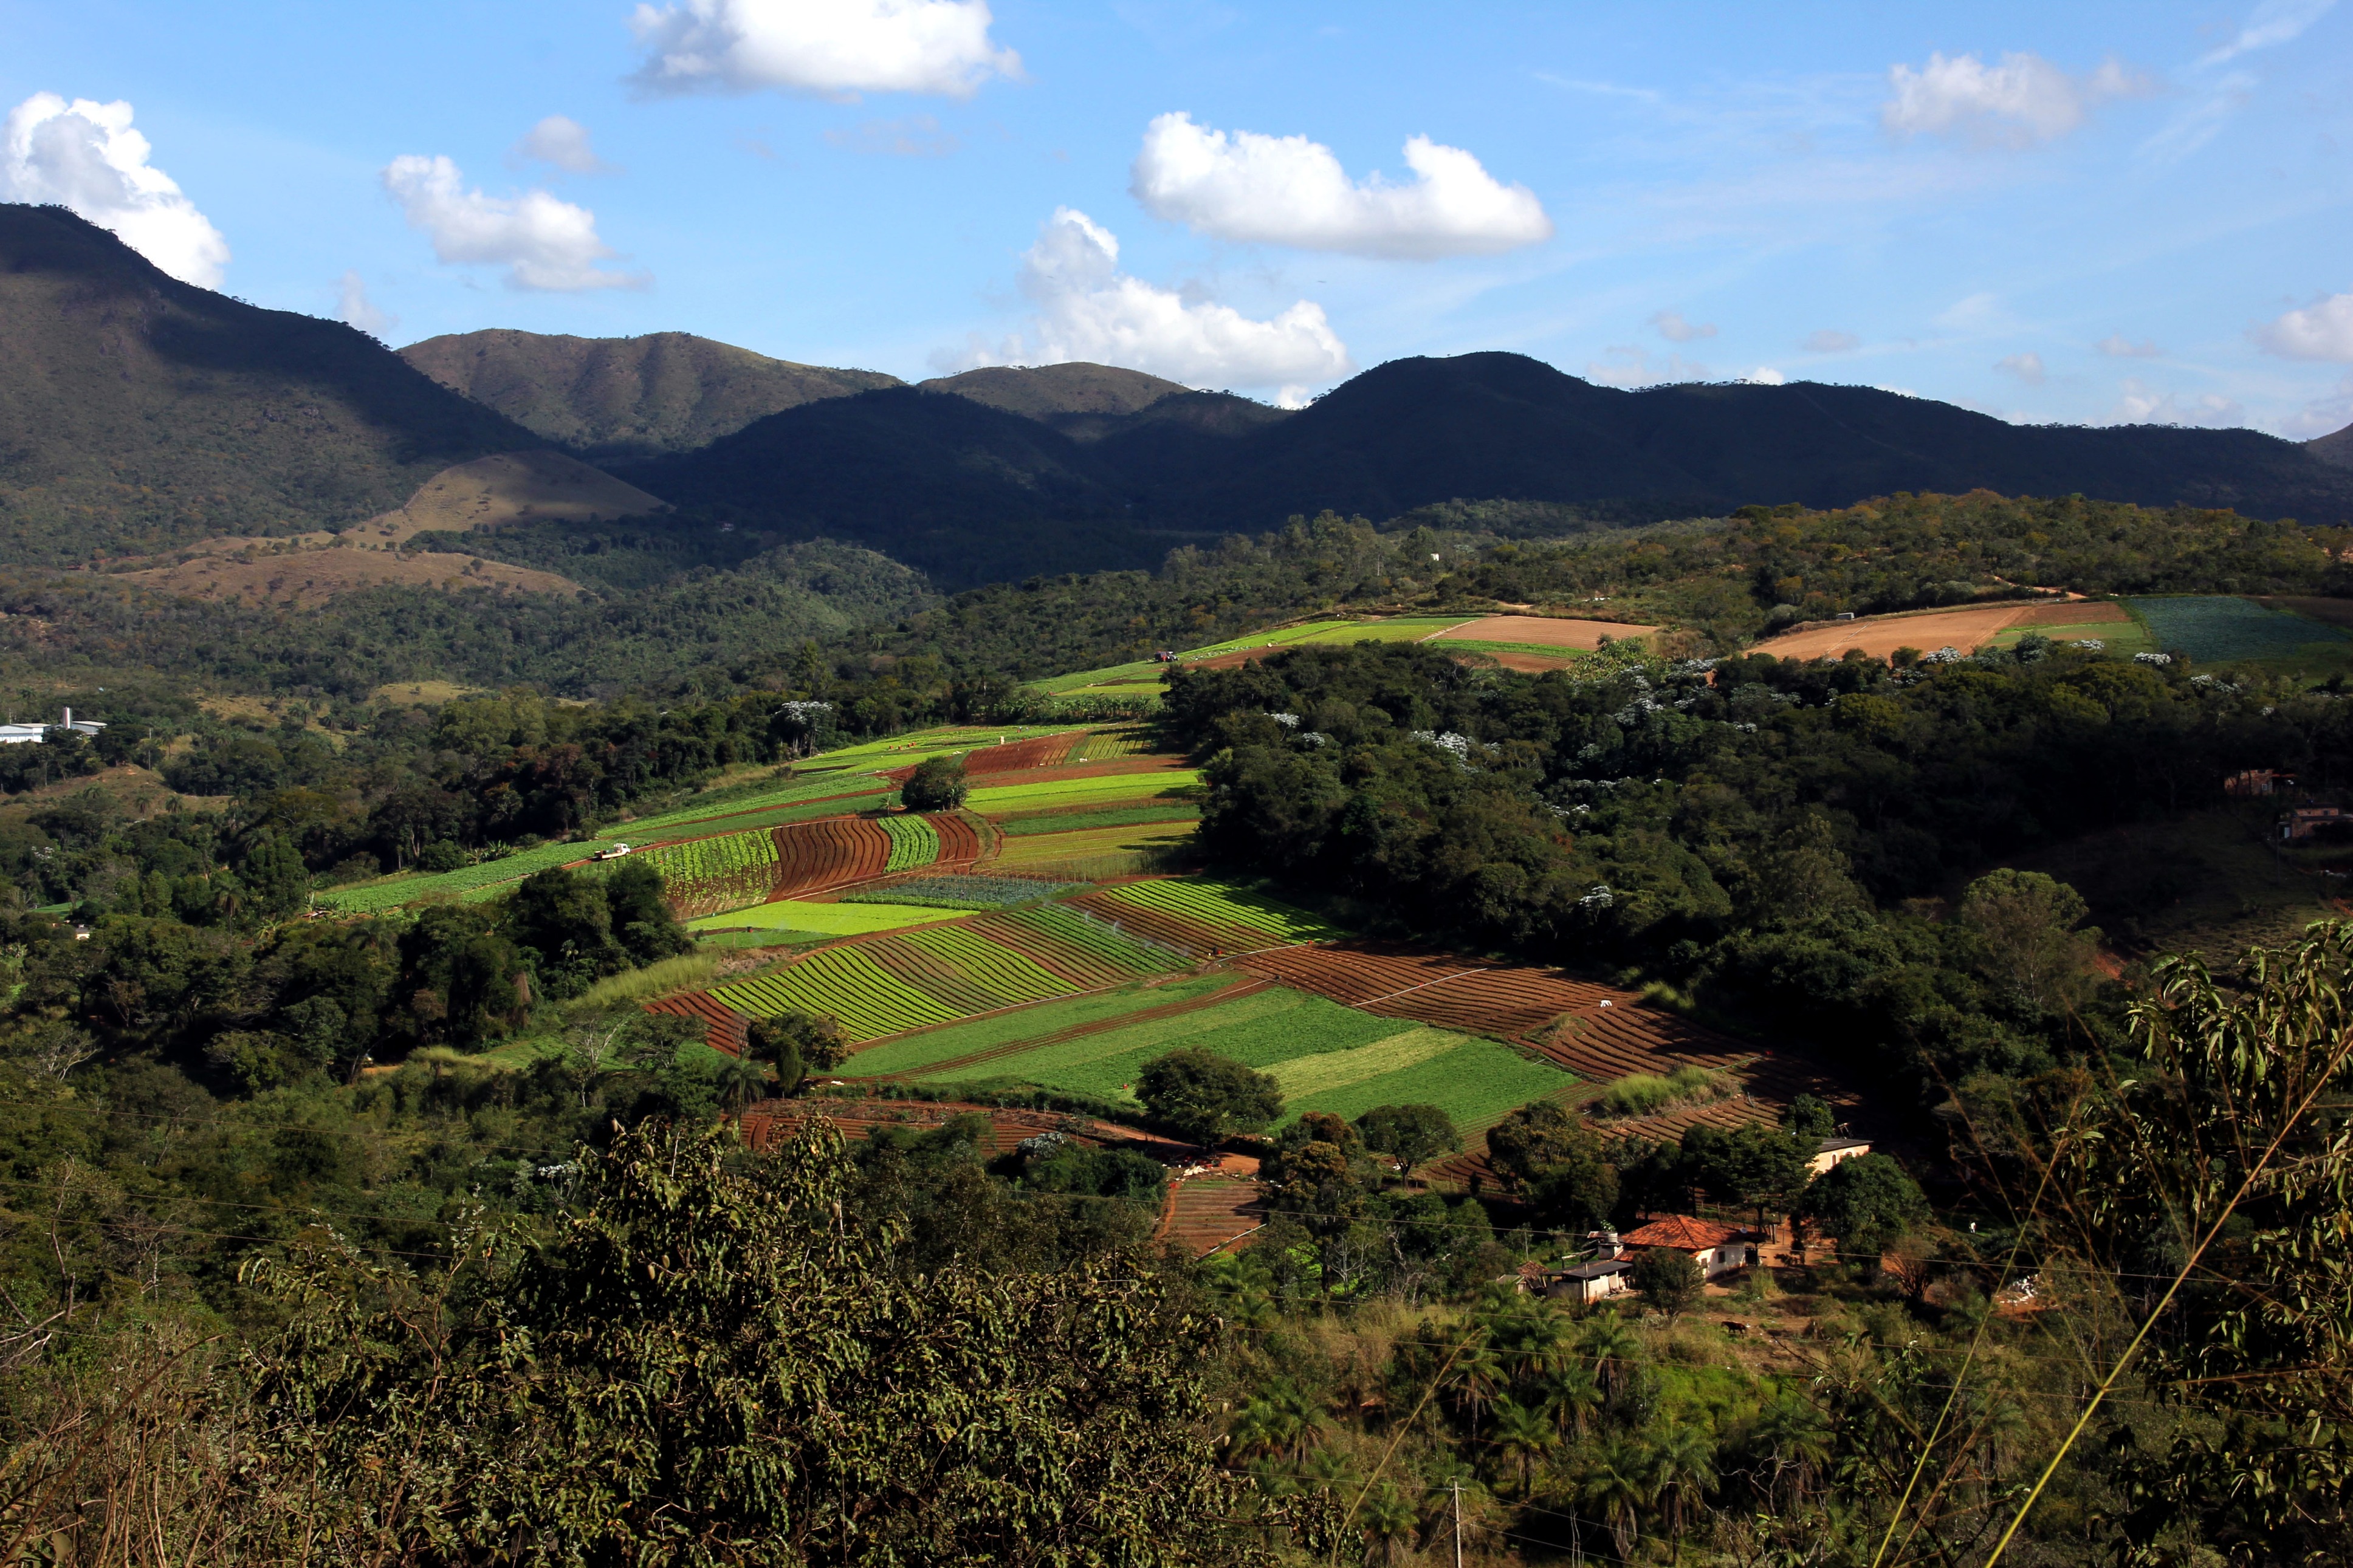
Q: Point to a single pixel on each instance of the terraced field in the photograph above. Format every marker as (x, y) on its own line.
(1199, 916)
(833, 918)
(913, 842)
(706, 876)
(812, 856)
(1447, 989)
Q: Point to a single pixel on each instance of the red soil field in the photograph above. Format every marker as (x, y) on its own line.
(724, 1026)
(1928, 630)
(812, 856)
(959, 841)
(1543, 631)
(1446, 989)
(1196, 938)
(1209, 1212)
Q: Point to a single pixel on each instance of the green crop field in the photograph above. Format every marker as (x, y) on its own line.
(733, 940)
(2118, 639)
(1097, 940)
(1110, 817)
(1117, 787)
(789, 802)
(1329, 1058)
(1201, 899)
(961, 892)
(843, 984)
(911, 1053)
(913, 842)
(1002, 973)
(483, 880)
(832, 920)
(2212, 627)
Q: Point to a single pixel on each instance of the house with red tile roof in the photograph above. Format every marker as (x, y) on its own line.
(1715, 1247)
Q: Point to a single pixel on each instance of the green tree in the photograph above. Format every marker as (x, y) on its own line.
(938, 784)
(708, 1367)
(2022, 926)
(1670, 1281)
(1867, 1203)
(795, 1045)
(1809, 1119)
(1206, 1097)
(1408, 1134)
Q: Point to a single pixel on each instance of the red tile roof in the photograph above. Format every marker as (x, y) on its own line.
(1684, 1233)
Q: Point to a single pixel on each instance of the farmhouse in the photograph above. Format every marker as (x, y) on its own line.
(1715, 1247)
(1830, 1151)
(2304, 821)
(1591, 1281)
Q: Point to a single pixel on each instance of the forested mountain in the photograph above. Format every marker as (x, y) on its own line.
(600, 398)
(2336, 448)
(138, 411)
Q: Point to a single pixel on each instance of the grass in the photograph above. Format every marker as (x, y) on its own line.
(689, 972)
(480, 880)
(732, 941)
(1477, 1083)
(993, 798)
(1641, 1093)
(2212, 628)
(2117, 639)
(831, 920)
(1225, 903)
(1081, 821)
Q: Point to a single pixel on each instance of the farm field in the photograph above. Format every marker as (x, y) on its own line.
(953, 892)
(825, 919)
(2214, 629)
(1112, 817)
(1143, 675)
(1198, 914)
(989, 799)
(1538, 632)
(470, 882)
(929, 1049)
(1928, 630)
(2120, 639)
(1103, 852)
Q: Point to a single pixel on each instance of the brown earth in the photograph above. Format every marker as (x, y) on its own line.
(1528, 663)
(1928, 630)
(2335, 612)
(512, 488)
(1544, 631)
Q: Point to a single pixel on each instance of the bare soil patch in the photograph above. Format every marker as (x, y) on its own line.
(1928, 630)
(1543, 631)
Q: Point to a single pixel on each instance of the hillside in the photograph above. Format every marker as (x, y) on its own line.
(664, 392)
(1051, 466)
(2336, 448)
(141, 413)
(1045, 391)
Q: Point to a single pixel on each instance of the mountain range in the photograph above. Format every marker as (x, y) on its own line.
(141, 413)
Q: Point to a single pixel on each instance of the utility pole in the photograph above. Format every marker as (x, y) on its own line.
(1458, 1524)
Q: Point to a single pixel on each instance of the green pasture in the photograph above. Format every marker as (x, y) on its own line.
(992, 798)
(2117, 639)
(829, 919)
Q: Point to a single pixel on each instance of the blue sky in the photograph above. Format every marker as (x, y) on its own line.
(2087, 212)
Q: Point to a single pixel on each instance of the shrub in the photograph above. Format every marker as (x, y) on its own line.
(938, 784)
(1668, 1279)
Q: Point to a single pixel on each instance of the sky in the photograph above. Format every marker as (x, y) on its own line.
(2092, 213)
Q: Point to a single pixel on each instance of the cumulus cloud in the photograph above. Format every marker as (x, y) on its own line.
(1765, 375)
(2027, 367)
(1625, 365)
(85, 155)
(2323, 331)
(1287, 190)
(561, 142)
(833, 48)
(2023, 100)
(2116, 345)
(1830, 340)
(355, 308)
(2143, 405)
(1675, 329)
(1088, 310)
(543, 243)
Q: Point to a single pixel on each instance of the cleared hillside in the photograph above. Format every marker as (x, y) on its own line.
(138, 412)
(604, 397)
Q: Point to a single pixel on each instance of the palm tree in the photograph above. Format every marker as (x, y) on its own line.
(1614, 1487)
(741, 1082)
(1611, 1347)
(1799, 1439)
(1478, 1378)
(1389, 1522)
(1682, 1468)
(1530, 1338)
(1571, 1395)
(1521, 1433)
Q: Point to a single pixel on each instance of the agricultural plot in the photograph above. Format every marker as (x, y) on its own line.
(2211, 628)
(708, 876)
(1109, 816)
(842, 983)
(1195, 915)
(993, 799)
(1092, 857)
(843, 919)
(812, 856)
(913, 842)
(959, 892)
(1141, 677)
(469, 882)
(1475, 994)
(831, 794)
(2117, 639)
(1083, 948)
(979, 1039)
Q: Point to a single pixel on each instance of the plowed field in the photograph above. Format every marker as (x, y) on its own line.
(812, 856)
(1207, 1213)
(1540, 631)
(724, 1026)
(1445, 989)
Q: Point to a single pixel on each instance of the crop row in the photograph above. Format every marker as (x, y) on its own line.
(705, 875)
(1068, 938)
(1110, 817)
(814, 855)
(844, 983)
(913, 842)
(958, 892)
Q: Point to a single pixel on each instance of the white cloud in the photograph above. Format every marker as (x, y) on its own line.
(2140, 404)
(1625, 365)
(355, 308)
(1088, 310)
(2323, 331)
(1974, 313)
(1830, 340)
(1765, 375)
(1675, 329)
(2324, 415)
(2270, 23)
(2027, 367)
(562, 141)
(2116, 345)
(542, 243)
(834, 48)
(2023, 100)
(1287, 190)
(85, 155)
